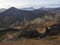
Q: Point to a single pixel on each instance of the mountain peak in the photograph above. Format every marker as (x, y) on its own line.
(12, 8)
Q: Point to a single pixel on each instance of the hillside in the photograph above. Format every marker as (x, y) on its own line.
(15, 17)
(39, 23)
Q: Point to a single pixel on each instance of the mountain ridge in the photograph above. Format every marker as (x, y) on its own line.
(16, 16)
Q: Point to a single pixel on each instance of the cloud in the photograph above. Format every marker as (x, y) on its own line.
(27, 3)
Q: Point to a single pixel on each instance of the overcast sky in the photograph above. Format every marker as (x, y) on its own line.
(28, 3)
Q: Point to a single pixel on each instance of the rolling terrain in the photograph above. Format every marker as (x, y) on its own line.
(36, 27)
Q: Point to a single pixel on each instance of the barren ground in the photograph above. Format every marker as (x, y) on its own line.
(44, 41)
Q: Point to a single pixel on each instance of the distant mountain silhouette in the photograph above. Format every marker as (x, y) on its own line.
(2, 10)
(28, 9)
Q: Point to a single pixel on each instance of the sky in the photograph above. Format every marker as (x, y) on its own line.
(29, 3)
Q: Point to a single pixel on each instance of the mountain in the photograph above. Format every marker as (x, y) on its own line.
(16, 23)
(28, 9)
(48, 11)
(16, 17)
(2, 10)
(16, 13)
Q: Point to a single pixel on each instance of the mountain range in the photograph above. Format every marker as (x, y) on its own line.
(16, 16)
(28, 8)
